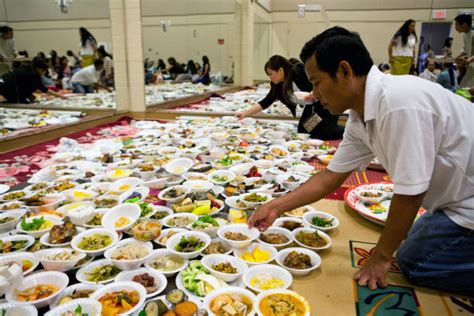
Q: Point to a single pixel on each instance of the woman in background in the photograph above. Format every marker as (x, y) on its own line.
(287, 80)
(401, 50)
(64, 73)
(204, 76)
(88, 47)
(108, 76)
(174, 68)
(430, 73)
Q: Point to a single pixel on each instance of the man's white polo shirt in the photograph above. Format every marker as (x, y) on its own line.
(423, 134)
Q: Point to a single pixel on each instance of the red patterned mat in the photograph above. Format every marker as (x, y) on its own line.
(18, 166)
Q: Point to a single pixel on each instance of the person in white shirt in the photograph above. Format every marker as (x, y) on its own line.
(88, 46)
(423, 135)
(430, 73)
(463, 24)
(86, 79)
(401, 50)
(7, 49)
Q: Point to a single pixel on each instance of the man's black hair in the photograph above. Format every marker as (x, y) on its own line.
(335, 45)
(464, 19)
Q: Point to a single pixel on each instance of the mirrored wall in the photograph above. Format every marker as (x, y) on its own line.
(42, 40)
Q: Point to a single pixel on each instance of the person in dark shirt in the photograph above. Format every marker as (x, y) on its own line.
(174, 68)
(19, 85)
(204, 75)
(287, 80)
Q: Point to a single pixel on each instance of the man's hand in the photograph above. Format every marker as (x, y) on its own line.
(263, 217)
(240, 115)
(374, 273)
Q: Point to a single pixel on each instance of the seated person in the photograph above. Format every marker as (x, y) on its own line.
(448, 79)
(19, 85)
(430, 73)
(86, 80)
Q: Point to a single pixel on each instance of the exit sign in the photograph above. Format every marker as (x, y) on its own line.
(439, 14)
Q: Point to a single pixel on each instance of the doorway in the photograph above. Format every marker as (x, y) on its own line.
(431, 39)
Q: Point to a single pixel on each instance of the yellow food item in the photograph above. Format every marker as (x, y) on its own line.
(124, 187)
(257, 255)
(266, 282)
(178, 170)
(121, 222)
(79, 194)
(237, 216)
(27, 264)
(202, 210)
(118, 173)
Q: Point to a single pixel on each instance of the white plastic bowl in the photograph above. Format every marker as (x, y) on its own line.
(241, 169)
(16, 215)
(277, 230)
(238, 253)
(229, 290)
(129, 264)
(232, 203)
(190, 176)
(143, 191)
(147, 175)
(52, 201)
(119, 286)
(214, 259)
(262, 295)
(117, 174)
(97, 211)
(179, 166)
(371, 200)
(56, 220)
(308, 216)
(55, 278)
(174, 240)
(30, 241)
(45, 239)
(94, 253)
(58, 265)
(77, 195)
(192, 217)
(13, 309)
(315, 260)
(255, 204)
(198, 185)
(251, 233)
(164, 233)
(267, 269)
(283, 180)
(312, 230)
(156, 183)
(125, 184)
(279, 221)
(170, 151)
(78, 212)
(164, 252)
(19, 256)
(212, 231)
(230, 175)
(285, 153)
(88, 306)
(129, 210)
(71, 289)
(162, 194)
(160, 280)
(81, 273)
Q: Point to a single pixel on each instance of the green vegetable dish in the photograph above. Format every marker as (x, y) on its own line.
(76, 312)
(146, 209)
(254, 197)
(220, 178)
(226, 161)
(95, 242)
(205, 222)
(102, 273)
(322, 221)
(189, 244)
(12, 246)
(36, 224)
